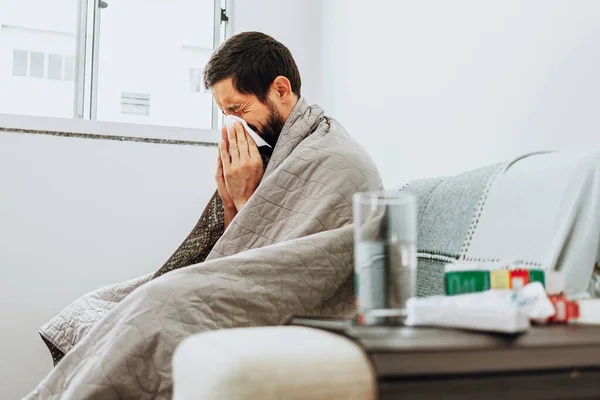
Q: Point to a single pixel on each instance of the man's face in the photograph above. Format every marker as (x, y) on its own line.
(264, 119)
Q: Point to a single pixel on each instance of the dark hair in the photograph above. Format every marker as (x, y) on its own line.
(253, 60)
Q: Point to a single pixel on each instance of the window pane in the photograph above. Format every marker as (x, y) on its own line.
(36, 65)
(55, 67)
(196, 84)
(19, 63)
(137, 58)
(32, 30)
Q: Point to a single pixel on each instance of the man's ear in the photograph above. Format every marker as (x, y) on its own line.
(283, 88)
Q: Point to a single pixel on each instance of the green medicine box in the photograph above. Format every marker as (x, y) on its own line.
(537, 275)
(460, 282)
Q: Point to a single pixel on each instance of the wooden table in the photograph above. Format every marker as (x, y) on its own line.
(554, 362)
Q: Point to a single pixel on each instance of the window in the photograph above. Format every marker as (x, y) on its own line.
(20, 63)
(36, 65)
(196, 83)
(156, 60)
(31, 64)
(135, 103)
(55, 67)
(94, 60)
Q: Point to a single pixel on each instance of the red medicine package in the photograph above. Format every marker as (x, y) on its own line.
(565, 310)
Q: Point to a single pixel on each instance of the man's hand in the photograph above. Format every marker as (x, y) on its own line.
(241, 165)
(228, 204)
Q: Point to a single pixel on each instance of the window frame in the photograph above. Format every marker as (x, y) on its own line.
(85, 66)
(87, 57)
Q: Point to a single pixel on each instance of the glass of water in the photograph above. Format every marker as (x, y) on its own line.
(385, 255)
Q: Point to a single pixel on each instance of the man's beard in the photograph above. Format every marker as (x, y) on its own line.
(271, 129)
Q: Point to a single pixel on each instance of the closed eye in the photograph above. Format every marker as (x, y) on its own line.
(232, 109)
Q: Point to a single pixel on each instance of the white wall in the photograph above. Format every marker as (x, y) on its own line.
(436, 87)
(77, 214)
(297, 24)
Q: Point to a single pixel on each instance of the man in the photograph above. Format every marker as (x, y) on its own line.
(274, 241)
(263, 94)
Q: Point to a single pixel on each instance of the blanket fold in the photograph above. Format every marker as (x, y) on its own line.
(288, 251)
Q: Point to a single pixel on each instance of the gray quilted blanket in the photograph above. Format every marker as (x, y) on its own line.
(289, 251)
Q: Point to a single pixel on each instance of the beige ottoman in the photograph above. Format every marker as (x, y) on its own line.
(271, 363)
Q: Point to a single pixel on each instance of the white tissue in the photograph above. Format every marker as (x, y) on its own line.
(533, 300)
(496, 310)
(230, 119)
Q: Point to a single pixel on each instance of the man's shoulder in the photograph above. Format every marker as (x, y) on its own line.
(332, 147)
(333, 137)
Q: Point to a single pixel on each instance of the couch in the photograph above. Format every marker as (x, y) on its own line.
(542, 209)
